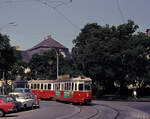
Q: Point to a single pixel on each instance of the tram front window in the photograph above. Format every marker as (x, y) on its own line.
(80, 87)
(87, 87)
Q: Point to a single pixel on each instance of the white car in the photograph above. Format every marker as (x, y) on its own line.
(24, 98)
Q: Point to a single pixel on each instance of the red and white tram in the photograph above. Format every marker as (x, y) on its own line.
(74, 89)
(42, 88)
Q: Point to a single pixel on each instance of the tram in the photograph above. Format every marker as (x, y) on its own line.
(75, 89)
(43, 89)
(70, 89)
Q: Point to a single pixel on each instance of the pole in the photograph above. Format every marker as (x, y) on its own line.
(57, 62)
(57, 65)
(3, 88)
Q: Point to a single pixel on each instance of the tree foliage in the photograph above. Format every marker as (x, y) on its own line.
(7, 56)
(44, 66)
(111, 54)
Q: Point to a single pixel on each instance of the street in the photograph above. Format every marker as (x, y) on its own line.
(97, 110)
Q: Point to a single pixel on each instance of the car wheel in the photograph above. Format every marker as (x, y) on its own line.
(25, 107)
(2, 113)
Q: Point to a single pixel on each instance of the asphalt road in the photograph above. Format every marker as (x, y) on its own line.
(98, 110)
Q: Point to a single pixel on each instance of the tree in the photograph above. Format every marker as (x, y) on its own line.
(7, 57)
(44, 66)
(112, 54)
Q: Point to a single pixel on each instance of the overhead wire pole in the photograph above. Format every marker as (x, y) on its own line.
(57, 61)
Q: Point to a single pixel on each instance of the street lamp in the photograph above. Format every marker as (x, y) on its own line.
(8, 24)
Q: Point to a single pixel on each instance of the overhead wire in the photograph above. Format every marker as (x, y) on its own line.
(54, 7)
(120, 11)
(59, 12)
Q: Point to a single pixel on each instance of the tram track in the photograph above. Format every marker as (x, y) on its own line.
(114, 109)
(93, 111)
(94, 115)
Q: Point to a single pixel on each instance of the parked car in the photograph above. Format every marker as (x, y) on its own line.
(36, 100)
(22, 90)
(7, 98)
(5, 107)
(30, 94)
(24, 98)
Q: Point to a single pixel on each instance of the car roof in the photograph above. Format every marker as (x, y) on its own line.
(16, 93)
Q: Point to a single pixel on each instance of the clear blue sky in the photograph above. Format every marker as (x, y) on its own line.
(36, 20)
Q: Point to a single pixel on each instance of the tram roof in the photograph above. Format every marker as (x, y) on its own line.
(78, 78)
(40, 81)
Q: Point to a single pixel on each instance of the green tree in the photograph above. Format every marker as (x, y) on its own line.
(7, 56)
(44, 66)
(112, 54)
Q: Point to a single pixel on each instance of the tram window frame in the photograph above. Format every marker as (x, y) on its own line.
(49, 86)
(69, 86)
(81, 88)
(89, 87)
(62, 86)
(31, 86)
(72, 86)
(59, 86)
(34, 87)
(65, 86)
(38, 86)
(45, 87)
(41, 86)
(75, 87)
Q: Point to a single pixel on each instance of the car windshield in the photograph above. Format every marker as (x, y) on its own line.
(18, 90)
(20, 96)
(21, 90)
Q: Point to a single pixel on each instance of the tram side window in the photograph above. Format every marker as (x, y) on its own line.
(75, 86)
(72, 86)
(80, 87)
(49, 86)
(38, 86)
(34, 86)
(59, 86)
(31, 86)
(45, 86)
(41, 86)
(65, 86)
(69, 86)
(87, 87)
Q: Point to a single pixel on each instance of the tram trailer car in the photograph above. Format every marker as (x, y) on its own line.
(75, 89)
(43, 89)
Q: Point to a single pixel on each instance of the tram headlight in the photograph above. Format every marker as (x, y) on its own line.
(72, 93)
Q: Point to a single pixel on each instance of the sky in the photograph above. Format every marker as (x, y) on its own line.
(63, 19)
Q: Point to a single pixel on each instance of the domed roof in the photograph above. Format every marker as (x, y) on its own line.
(48, 42)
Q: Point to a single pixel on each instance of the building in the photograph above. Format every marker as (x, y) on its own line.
(47, 44)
